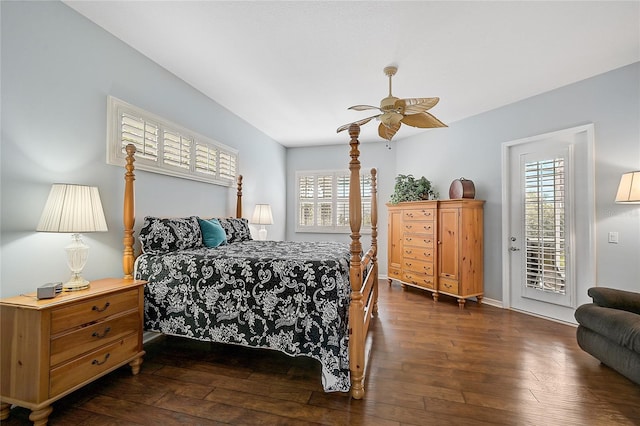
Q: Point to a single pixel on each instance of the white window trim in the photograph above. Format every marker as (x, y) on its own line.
(115, 155)
(334, 229)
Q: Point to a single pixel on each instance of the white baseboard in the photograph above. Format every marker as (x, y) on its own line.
(149, 336)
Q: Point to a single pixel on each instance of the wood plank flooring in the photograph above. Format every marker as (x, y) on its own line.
(431, 363)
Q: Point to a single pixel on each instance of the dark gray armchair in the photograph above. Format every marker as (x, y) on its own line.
(609, 329)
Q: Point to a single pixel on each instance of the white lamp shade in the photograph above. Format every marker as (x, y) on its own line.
(262, 215)
(629, 188)
(74, 209)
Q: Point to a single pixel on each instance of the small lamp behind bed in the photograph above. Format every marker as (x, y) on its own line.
(262, 216)
(74, 209)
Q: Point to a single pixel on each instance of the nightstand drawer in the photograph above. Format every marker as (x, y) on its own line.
(92, 365)
(92, 310)
(88, 338)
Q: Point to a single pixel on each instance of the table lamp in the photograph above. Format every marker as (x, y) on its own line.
(262, 216)
(74, 209)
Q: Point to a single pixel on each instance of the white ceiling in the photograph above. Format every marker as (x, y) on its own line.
(291, 69)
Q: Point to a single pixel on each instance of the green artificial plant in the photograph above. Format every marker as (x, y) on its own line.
(408, 188)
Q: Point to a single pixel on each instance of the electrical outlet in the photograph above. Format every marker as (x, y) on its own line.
(613, 237)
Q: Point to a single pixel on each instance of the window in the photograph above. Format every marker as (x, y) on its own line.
(323, 201)
(166, 148)
(544, 209)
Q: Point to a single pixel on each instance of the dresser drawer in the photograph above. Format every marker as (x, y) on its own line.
(425, 281)
(85, 339)
(395, 273)
(418, 253)
(418, 241)
(92, 310)
(419, 214)
(92, 364)
(417, 266)
(448, 286)
(418, 227)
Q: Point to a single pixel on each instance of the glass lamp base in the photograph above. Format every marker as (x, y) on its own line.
(75, 283)
(77, 253)
(262, 234)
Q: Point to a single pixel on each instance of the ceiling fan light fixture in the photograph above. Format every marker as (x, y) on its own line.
(393, 111)
(390, 119)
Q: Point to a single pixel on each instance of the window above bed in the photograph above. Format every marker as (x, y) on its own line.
(167, 148)
(322, 201)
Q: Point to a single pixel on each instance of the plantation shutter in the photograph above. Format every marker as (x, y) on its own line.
(167, 148)
(142, 134)
(545, 225)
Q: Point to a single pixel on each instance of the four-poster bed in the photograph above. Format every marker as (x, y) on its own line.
(300, 298)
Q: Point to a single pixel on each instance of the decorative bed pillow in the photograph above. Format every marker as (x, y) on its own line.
(163, 235)
(213, 235)
(237, 229)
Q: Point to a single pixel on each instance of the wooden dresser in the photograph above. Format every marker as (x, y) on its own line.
(52, 347)
(438, 246)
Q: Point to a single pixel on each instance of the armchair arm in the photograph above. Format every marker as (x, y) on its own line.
(616, 299)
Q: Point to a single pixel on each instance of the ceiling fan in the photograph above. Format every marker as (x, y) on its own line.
(394, 111)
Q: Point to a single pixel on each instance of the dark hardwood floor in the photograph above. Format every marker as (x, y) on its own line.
(430, 364)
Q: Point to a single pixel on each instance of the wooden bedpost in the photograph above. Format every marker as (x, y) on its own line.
(128, 213)
(374, 233)
(239, 197)
(356, 308)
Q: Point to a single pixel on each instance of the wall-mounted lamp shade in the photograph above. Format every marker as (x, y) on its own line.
(629, 188)
(262, 216)
(74, 209)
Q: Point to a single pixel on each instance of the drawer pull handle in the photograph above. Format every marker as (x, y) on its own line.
(100, 336)
(96, 362)
(106, 305)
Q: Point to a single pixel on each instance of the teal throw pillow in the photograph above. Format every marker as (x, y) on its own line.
(213, 234)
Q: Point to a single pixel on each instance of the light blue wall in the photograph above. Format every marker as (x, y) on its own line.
(471, 148)
(57, 70)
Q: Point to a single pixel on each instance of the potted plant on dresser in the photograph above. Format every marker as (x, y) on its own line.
(408, 188)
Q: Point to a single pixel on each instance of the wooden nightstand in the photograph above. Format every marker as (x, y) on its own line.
(52, 347)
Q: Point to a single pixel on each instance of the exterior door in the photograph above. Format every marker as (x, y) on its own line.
(548, 237)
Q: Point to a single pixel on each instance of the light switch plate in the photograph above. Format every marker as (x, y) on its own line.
(613, 237)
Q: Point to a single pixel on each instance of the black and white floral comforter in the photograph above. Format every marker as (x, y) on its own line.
(289, 296)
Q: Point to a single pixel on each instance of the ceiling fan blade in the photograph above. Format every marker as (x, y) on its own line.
(363, 107)
(359, 123)
(387, 132)
(423, 120)
(415, 105)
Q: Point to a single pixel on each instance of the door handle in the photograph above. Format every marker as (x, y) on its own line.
(514, 249)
